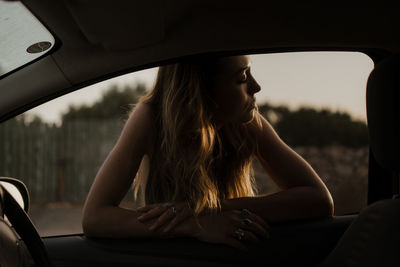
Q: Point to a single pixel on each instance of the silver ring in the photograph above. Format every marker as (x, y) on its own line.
(173, 208)
(239, 234)
(245, 212)
(246, 222)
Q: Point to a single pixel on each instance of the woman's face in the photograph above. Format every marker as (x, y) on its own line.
(234, 90)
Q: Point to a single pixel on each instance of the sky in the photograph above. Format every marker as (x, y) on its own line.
(333, 80)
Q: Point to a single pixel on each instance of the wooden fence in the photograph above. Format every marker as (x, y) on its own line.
(56, 163)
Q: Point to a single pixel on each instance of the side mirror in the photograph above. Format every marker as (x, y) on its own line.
(18, 190)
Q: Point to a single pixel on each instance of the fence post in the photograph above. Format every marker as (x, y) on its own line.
(61, 163)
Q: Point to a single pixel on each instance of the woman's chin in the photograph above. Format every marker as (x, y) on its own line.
(248, 117)
(241, 119)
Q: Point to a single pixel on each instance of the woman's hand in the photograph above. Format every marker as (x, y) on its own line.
(236, 228)
(168, 215)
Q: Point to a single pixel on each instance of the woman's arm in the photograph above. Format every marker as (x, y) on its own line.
(102, 216)
(304, 195)
(215, 227)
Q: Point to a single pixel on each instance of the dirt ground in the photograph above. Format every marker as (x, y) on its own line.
(57, 218)
(60, 218)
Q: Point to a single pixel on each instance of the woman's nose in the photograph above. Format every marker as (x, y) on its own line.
(254, 87)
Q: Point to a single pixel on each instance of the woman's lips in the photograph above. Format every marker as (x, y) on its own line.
(252, 105)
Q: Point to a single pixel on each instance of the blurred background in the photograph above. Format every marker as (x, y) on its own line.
(315, 101)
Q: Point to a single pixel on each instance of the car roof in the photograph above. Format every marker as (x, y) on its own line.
(97, 40)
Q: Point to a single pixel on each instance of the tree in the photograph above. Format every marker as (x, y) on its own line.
(115, 103)
(309, 127)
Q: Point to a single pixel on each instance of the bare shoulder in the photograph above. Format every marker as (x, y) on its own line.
(262, 128)
(139, 129)
(268, 141)
(142, 114)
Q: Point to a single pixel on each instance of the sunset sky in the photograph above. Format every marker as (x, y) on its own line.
(334, 80)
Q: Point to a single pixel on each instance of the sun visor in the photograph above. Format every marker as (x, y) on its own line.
(134, 23)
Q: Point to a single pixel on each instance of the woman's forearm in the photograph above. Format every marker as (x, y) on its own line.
(291, 204)
(116, 222)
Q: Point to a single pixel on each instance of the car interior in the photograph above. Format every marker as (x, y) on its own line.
(89, 48)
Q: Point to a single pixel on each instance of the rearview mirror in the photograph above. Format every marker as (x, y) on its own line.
(18, 190)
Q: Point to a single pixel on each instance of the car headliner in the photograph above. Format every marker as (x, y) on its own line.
(97, 40)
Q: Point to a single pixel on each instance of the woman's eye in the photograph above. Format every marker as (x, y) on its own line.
(243, 78)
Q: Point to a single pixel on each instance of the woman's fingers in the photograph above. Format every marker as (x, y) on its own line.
(243, 235)
(254, 217)
(164, 218)
(241, 239)
(146, 208)
(182, 212)
(155, 211)
(250, 237)
(245, 213)
(254, 227)
(252, 222)
(152, 206)
(168, 213)
(181, 216)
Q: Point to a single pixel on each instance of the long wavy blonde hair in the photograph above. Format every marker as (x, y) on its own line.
(193, 159)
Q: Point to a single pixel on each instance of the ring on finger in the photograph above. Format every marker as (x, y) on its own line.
(246, 222)
(245, 212)
(173, 209)
(239, 234)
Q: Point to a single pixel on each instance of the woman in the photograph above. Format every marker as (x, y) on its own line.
(190, 143)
